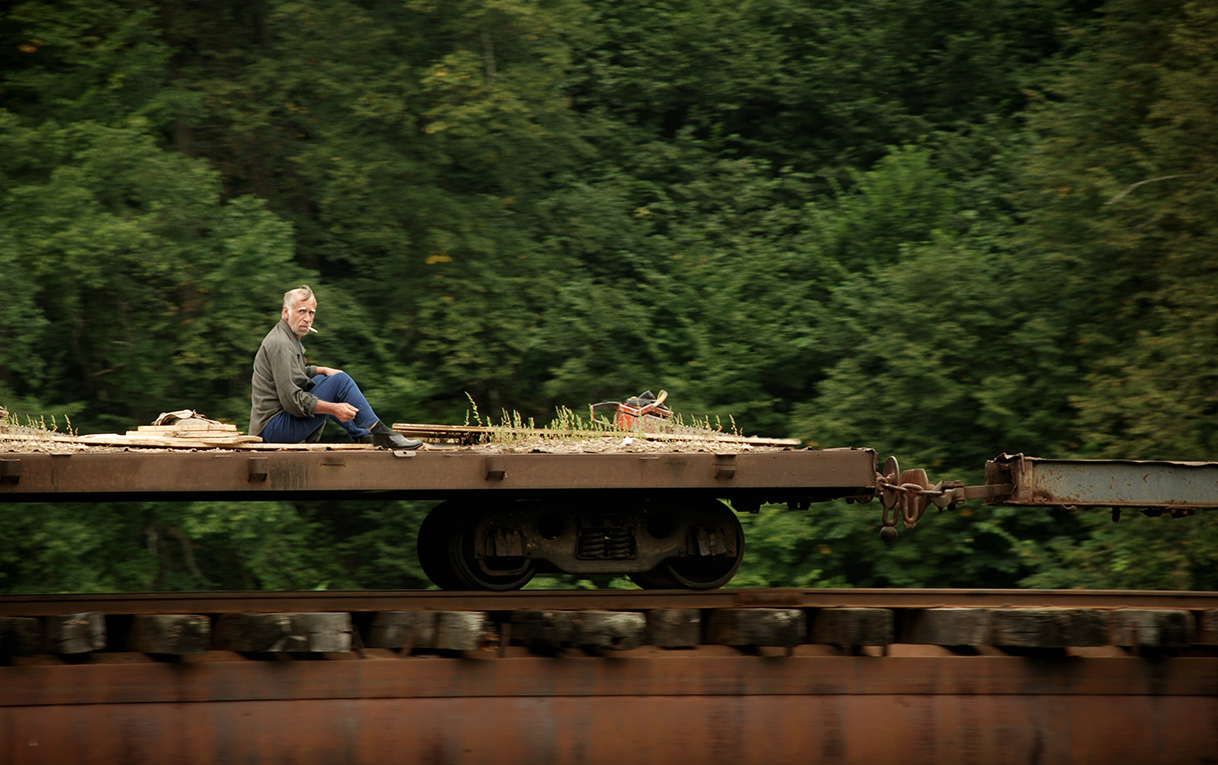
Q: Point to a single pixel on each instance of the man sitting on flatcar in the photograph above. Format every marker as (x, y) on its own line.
(292, 400)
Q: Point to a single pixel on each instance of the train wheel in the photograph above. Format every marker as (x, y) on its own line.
(433, 543)
(499, 574)
(656, 579)
(474, 573)
(710, 572)
(446, 553)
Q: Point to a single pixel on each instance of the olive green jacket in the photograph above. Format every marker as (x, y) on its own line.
(281, 379)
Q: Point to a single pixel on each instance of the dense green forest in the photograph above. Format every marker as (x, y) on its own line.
(939, 228)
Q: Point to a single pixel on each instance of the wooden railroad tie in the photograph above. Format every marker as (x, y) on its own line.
(1043, 632)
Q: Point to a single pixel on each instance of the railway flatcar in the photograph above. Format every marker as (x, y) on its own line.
(665, 518)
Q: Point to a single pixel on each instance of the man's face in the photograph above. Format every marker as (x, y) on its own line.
(300, 316)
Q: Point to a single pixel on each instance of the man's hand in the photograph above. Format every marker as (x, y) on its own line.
(327, 371)
(342, 411)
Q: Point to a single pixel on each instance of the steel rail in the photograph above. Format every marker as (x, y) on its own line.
(640, 600)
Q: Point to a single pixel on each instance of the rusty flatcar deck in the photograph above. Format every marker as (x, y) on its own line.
(230, 474)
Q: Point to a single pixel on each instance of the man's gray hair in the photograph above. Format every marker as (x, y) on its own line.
(292, 298)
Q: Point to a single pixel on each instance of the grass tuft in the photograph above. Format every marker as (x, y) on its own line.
(568, 425)
(32, 429)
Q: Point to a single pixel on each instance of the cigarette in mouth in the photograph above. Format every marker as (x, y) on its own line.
(313, 330)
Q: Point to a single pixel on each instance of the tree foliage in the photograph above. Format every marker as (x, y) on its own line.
(939, 229)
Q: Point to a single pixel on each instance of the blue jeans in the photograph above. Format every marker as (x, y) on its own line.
(339, 388)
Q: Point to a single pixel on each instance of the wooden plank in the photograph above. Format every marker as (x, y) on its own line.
(544, 632)
(674, 627)
(1207, 628)
(329, 632)
(236, 443)
(1048, 627)
(849, 627)
(20, 636)
(1152, 628)
(169, 431)
(946, 626)
(173, 634)
(782, 627)
(56, 437)
(315, 632)
(403, 631)
(607, 631)
(463, 630)
(164, 442)
(76, 633)
(186, 425)
(258, 632)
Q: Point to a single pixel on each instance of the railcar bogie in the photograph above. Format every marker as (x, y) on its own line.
(659, 542)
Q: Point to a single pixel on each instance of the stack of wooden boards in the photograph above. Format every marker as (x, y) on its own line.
(177, 432)
(184, 429)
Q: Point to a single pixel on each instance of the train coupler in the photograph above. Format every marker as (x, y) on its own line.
(907, 494)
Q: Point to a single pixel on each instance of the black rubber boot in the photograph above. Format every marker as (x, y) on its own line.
(384, 438)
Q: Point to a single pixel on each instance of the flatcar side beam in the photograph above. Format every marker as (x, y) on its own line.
(204, 475)
(1037, 482)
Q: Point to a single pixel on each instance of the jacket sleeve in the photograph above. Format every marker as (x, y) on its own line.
(292, 383)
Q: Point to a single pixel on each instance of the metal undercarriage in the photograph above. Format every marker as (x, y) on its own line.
(666, 520)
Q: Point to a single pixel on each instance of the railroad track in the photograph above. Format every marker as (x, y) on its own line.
(745, 676)
(639, 600)
(604, 620)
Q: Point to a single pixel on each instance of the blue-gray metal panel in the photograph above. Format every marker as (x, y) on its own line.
(1113, 483)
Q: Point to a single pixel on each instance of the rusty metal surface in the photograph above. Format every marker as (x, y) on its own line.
(502, 703)
(764, 730)
(642, 600)
(187, 475)
(709, 671)
(1105, 483)
(654, 707)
